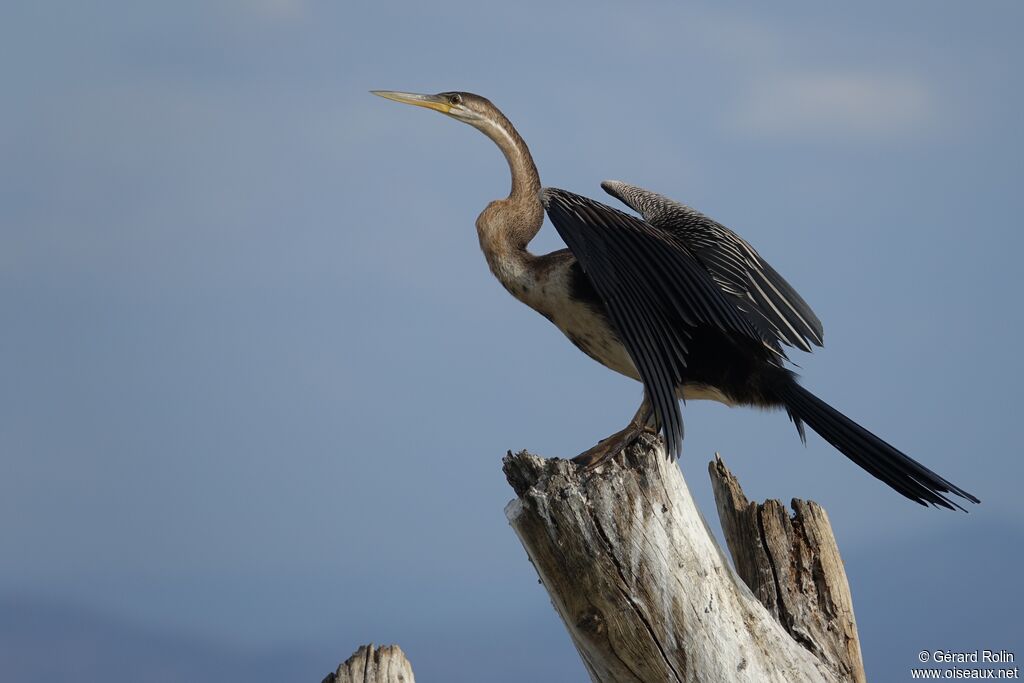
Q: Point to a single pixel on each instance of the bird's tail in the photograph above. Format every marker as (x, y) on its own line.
(906, 475)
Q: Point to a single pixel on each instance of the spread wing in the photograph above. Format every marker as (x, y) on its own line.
(735, 266)
(654, 289)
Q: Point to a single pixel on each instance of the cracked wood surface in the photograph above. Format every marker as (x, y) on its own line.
(644, 590)
(792, 565)
(369, 664)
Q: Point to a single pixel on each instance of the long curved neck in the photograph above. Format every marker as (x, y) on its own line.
(525, 179)
(506, 226)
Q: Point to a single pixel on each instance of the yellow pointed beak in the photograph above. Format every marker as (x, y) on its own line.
(435, 102)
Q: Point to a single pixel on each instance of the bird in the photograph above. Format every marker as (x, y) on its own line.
(670, 298)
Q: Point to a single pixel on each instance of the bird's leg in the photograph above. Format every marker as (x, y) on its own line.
(642, 422)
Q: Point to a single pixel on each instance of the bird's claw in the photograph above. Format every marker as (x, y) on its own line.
(607, 448)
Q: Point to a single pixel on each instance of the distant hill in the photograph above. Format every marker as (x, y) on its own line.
(53, 642)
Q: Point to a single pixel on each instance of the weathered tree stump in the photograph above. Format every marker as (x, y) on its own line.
(792, 565)
(647, 594)
(369, 664)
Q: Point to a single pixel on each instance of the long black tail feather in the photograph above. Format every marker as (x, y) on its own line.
(901, 472)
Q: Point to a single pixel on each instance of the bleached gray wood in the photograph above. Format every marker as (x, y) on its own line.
(792, 565)
(638, 579)
(369, 664)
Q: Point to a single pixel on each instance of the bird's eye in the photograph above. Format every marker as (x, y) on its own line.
(454, 99)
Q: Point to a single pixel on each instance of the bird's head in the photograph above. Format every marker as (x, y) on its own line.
(485, 117)
(473, 109)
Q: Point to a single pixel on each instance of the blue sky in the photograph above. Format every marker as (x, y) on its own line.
(257, 379)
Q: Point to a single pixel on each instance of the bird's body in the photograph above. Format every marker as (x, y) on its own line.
(557, 288)
(561, 293)
(673, 300)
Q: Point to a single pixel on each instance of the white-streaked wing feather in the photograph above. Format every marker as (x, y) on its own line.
(734, 265)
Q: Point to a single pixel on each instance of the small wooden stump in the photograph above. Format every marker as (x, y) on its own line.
(647, 594)
(369, 664)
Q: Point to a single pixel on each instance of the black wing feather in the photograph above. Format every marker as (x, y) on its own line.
(775, 308)
(654, 289)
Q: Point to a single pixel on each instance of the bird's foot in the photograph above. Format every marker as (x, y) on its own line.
(610, 447)
(605, 449)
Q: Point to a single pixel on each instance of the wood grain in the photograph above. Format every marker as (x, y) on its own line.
(646, 593)
(369, 664)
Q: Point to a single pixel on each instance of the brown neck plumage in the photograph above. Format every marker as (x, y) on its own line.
(506, 226)
(525, 179)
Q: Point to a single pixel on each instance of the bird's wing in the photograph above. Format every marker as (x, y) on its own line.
(654, 289)
(735, 266)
